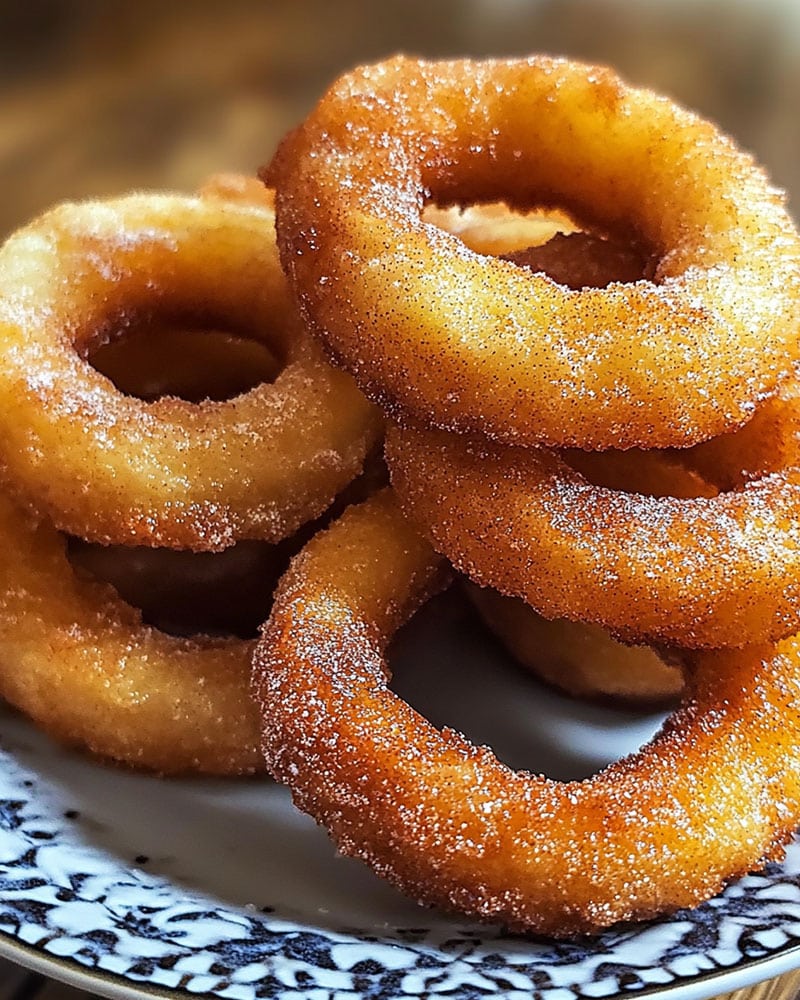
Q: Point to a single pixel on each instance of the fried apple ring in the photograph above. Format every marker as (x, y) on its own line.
(580, 660)
(715, 793)
(80, 662)
(115, 469)
(93, 665)
(696, 572)
(443, 336)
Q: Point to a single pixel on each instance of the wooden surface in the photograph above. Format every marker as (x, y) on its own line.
(100, 97)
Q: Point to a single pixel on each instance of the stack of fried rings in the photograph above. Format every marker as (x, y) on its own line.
(456, 341)
(80, 456)
(581, 659)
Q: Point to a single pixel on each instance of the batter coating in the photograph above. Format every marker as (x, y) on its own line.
(115, 469)
(528, 524)
(80, 663)
(710, 797)
(581, 660)
(445, 336)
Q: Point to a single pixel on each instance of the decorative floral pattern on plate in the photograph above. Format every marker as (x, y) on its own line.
(222, 888)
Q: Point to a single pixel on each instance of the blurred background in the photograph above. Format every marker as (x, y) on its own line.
(101, 96)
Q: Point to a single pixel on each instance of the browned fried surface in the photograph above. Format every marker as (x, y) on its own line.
(581, 660)
(115, 469)
(692, 572)
(445, 336)
(84, 667)
(163, 293)
(705, 801)
(580, 260)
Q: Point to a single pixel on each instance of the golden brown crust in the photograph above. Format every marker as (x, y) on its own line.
(76, 657)
(115, 469)
(581, 260)
(694, 572)
(768, 443)
(715, 792)
(83, 666)
(444, 336)
(581, 660)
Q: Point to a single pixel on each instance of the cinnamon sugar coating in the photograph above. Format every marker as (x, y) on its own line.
(712, 795)
(766, 444)
(444, 336)
(582, 659)
(115, 469)
(82, 664)
(697, 572)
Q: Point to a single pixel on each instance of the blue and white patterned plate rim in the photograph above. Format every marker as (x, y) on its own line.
(115, 987)
(77, 912)
(70, 971)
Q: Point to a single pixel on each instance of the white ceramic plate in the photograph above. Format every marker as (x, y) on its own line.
(126, 884)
